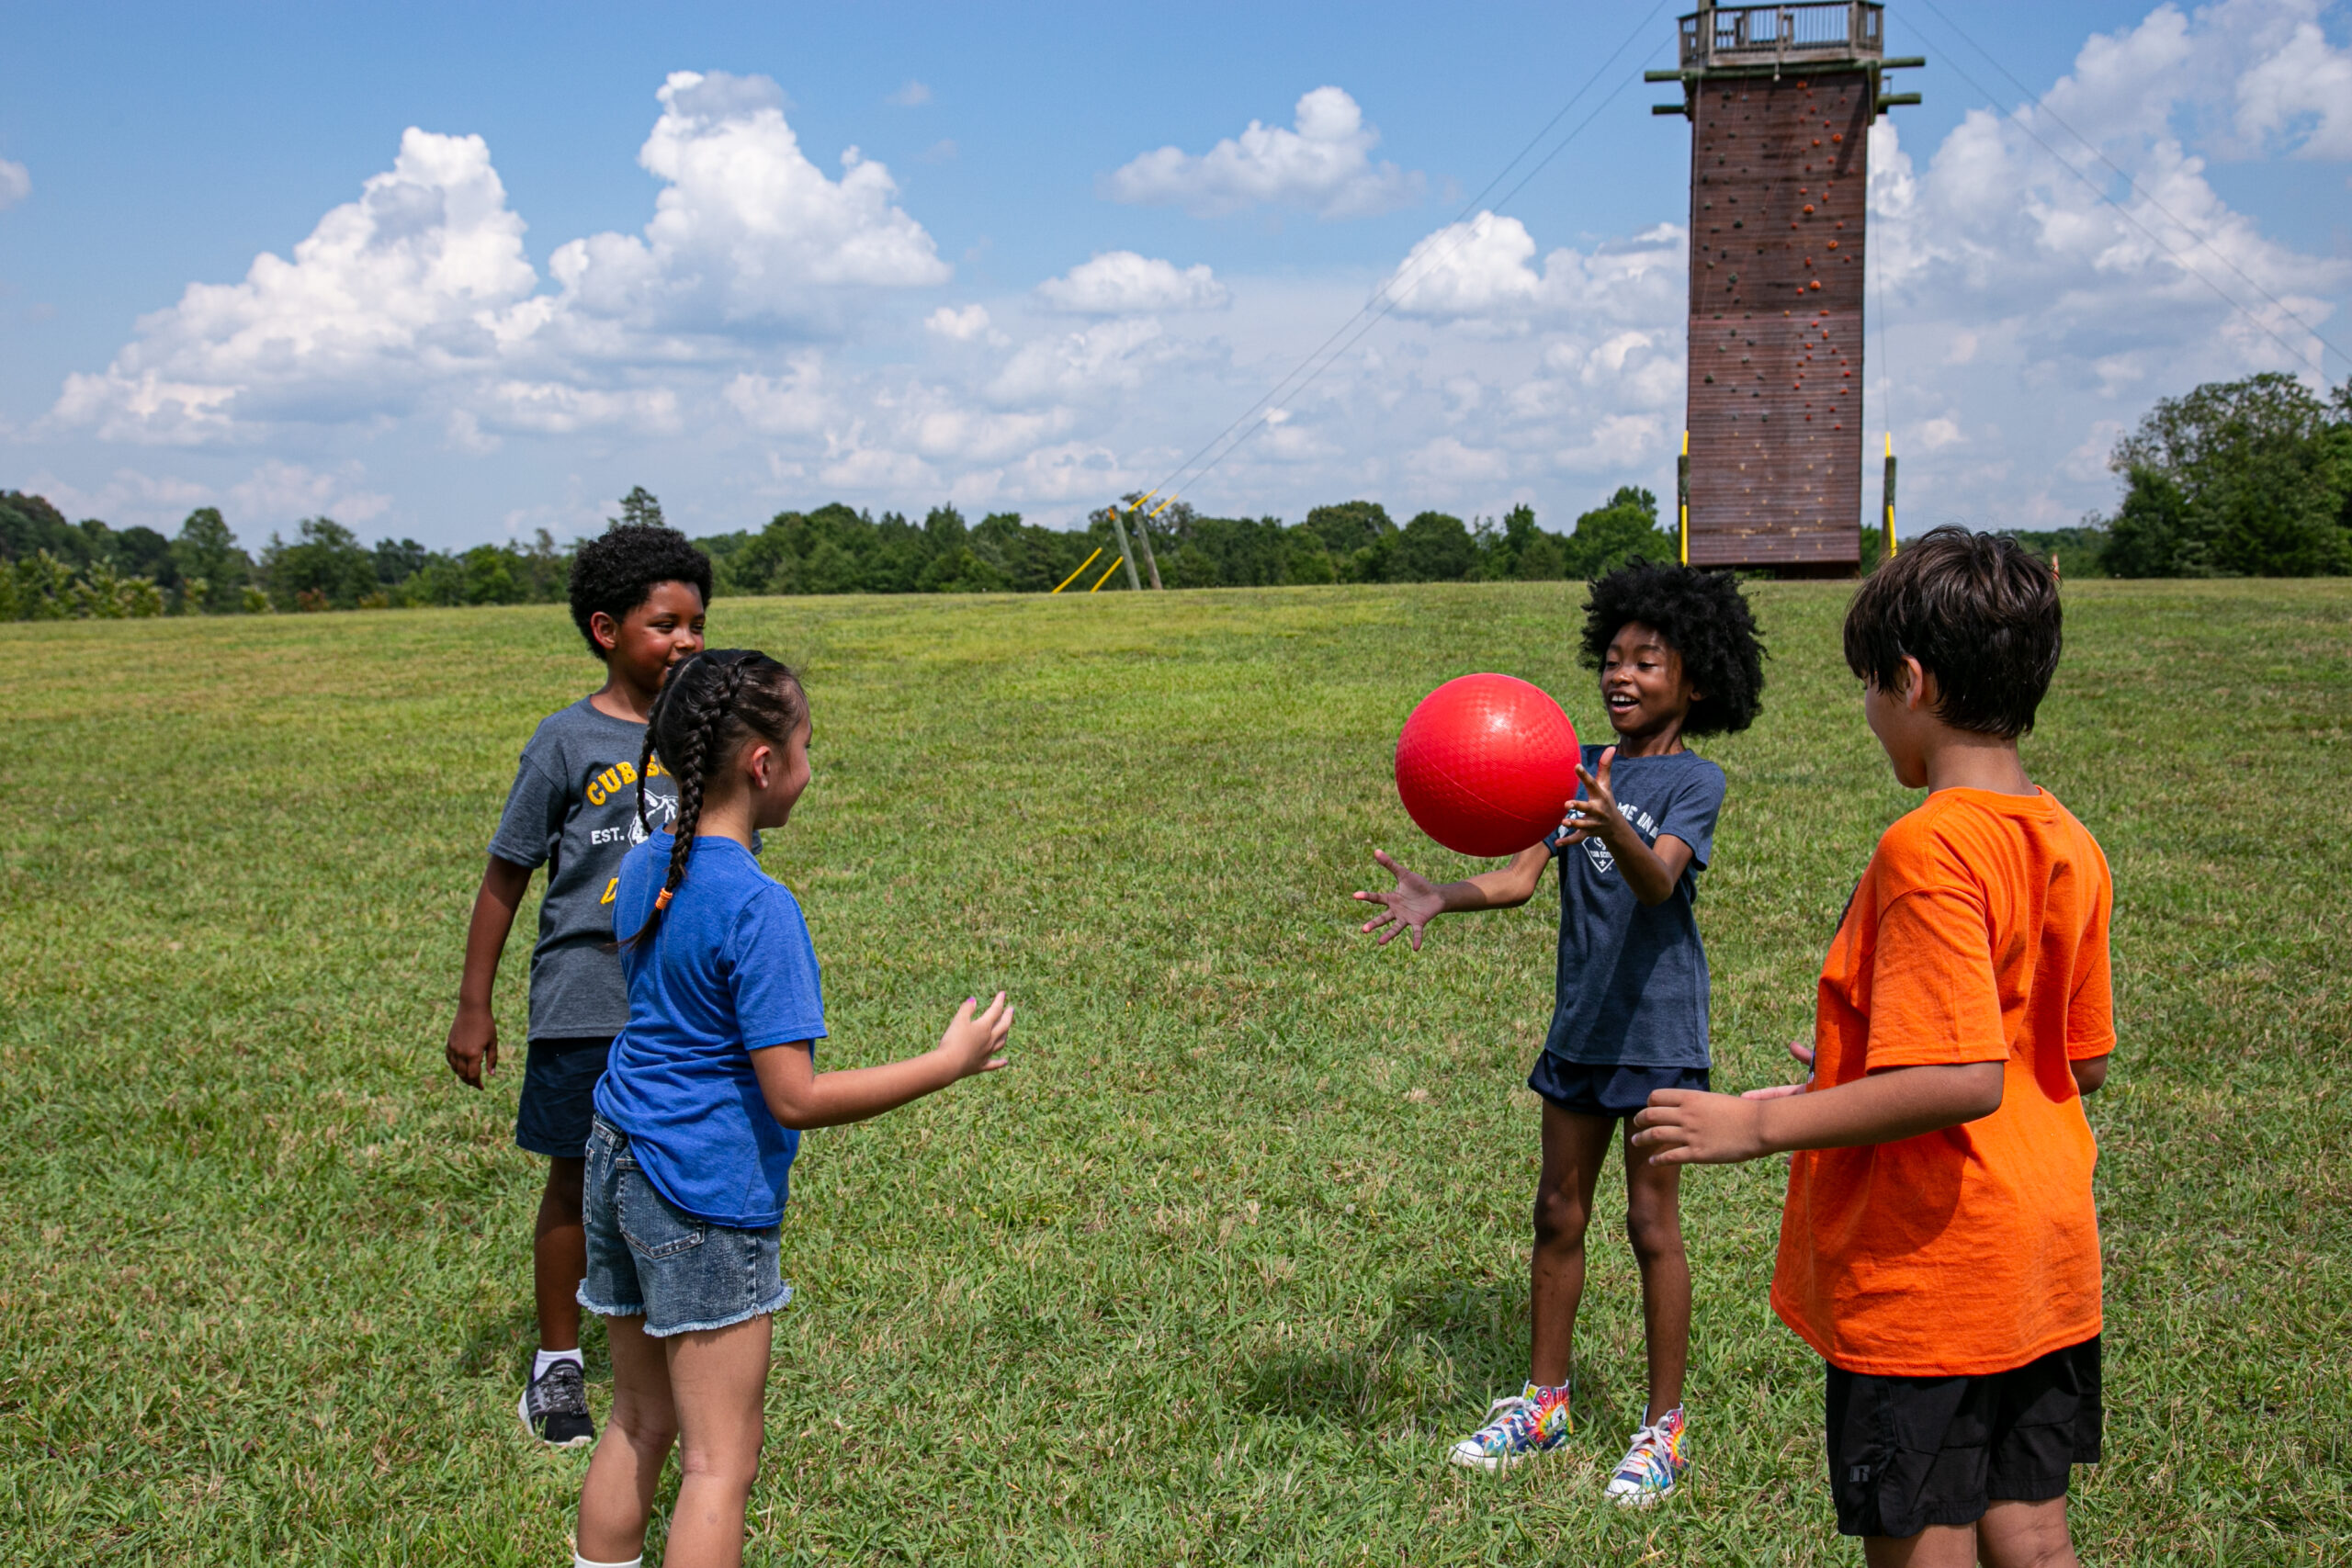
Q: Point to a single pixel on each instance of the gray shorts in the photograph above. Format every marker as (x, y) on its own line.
(648, 1258)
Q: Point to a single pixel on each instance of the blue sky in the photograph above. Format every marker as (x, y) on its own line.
(1011, 296)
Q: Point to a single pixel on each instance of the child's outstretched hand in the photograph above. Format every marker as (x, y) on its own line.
(1802, 1051)
(974, 1040)
(1413, 903)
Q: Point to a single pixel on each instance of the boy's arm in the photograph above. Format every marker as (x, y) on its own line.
(1687, 1127)
(472, 1050)
(1415, 901)
(2090, 1074)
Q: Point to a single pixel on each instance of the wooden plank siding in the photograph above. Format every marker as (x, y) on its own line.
(1779, 176)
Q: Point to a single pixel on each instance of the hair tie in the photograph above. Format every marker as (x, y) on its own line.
(663, 902)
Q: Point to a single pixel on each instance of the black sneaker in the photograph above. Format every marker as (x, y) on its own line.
(554, 1408)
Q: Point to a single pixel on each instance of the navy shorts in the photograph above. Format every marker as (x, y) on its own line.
(1606, 1089)
(1905, 1453)
(559, 1095)
(648, 1258)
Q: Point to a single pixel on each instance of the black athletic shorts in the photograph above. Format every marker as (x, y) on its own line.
(558, 1101)
(1905, 1453)
(1606, 1089)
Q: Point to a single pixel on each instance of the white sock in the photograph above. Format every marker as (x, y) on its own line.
(546, 1359)
(579, 1562)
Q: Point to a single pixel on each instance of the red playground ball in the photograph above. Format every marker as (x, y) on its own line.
(1485, 764)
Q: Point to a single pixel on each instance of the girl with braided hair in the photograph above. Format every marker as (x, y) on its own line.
(701, 1109)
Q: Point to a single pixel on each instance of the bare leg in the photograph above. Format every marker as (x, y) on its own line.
(560, 1256)
(720, 1377)
(2026, 1535)
(1574, 1146)
(1654, 1222)
(617, 1498)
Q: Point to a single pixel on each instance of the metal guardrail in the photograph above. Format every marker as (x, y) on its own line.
(1791, 34)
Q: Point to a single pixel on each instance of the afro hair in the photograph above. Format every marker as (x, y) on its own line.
(616, 571)
(1704, 617)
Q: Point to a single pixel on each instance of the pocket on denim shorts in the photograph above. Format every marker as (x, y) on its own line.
(651, 1225)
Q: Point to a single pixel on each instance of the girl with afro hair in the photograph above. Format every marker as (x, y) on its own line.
(1678, 656)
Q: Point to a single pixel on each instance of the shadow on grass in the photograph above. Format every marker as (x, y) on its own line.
(502, 1343)
(1444, 1350)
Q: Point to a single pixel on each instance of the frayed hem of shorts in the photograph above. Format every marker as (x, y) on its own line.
(766, 1309)
(589, 1304)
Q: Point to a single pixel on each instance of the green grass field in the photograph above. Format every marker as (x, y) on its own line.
(1216, 1272)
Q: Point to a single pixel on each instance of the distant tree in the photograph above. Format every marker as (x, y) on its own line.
(2237, 479)
(326, 569)
(397, 560)
(639, 508)
(1622, 529)
(139, 551)
(1433, 548)
(1349, 527)
(30, 525)
(205, 552)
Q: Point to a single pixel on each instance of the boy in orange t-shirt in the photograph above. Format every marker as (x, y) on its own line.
(1940, 1246)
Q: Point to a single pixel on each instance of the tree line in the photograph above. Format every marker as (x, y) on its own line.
(51, 568)
(2250, 477)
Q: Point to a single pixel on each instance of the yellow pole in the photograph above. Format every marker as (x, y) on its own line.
(1104, 578)
(1682, 497)
(1887, 492)
(1082, 566)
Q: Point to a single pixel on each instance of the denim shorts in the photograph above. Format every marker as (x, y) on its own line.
(558, 1097)
(648, 1258)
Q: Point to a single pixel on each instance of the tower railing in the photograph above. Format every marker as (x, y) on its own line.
(1791, 34)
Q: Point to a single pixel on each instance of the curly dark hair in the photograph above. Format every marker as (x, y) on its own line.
(1979, 612)
(616, 571)
(708, 708)
(1704, 617)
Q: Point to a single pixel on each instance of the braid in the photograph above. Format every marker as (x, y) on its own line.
(645, 771)
(688, 728)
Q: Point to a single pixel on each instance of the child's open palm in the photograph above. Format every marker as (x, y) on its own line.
(1412, 904)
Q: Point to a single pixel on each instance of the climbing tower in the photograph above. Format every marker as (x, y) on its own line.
(1780, 100)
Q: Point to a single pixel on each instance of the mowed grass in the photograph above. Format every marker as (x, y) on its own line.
(1216, 1272)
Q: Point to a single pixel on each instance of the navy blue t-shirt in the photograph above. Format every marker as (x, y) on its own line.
(1632, 977)
(729, 971)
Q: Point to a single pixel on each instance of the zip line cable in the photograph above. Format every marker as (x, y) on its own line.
(1397, 286)
(2319, 364)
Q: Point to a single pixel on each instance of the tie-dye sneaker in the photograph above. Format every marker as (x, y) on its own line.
(1533, 1421)
(1654, 1466)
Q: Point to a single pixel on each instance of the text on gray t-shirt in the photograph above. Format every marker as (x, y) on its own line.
(573, 809)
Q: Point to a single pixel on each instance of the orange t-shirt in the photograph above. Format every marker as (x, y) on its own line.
(1978, 934)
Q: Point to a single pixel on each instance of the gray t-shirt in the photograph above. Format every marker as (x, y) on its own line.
(1632, 986)
(573, 809)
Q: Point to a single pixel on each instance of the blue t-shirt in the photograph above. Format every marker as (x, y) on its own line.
(729, 971)
(1632, 977)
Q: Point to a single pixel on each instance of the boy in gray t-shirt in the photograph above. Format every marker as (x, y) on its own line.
(638, 594)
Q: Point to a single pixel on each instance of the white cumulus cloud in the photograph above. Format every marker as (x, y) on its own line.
(389, 295)
(748, 227)
(1121, 283)
(16, 184)
(419, 296)
(1324, 165)
(957, 325)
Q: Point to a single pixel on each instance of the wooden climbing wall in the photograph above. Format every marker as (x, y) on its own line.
(1779, 172)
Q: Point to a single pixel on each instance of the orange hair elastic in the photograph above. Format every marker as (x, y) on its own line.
(663, 902)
